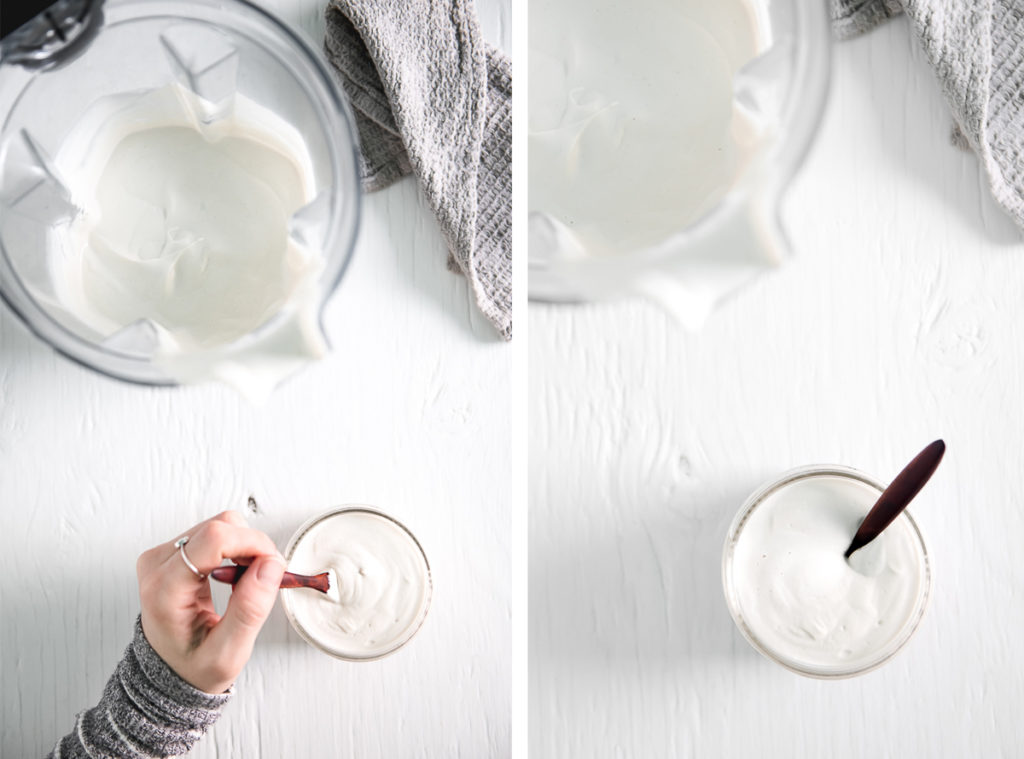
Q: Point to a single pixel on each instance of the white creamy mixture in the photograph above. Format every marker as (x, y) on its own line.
(800, 596)
(383, 584)
(633, 133)
(184, 240)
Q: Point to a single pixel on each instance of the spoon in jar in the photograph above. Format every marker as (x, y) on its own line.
(325, 582)
(894, 499)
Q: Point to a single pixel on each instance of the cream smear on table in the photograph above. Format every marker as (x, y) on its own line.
(383, 586)
(633, 132)
(183, 238)
(800, 596)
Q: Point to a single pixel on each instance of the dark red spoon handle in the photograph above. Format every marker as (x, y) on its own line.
(231, 574)
(895, 498)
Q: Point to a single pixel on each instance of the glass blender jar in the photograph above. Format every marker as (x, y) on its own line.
(783, 91)
(57, 67)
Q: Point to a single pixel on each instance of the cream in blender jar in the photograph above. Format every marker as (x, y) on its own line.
(193, 207)
(185, 227)
(634, 132)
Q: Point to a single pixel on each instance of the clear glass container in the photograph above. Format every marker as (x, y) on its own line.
(306, 630)
(786, 86)
(837, 670)
(214, 49)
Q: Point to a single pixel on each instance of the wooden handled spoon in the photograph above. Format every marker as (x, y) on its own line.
(895, 498)
(233, 573)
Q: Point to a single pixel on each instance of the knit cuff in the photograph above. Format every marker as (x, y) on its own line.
(146, 711)
(163, 681)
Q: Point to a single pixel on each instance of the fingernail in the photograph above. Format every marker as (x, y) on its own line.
(268, 574)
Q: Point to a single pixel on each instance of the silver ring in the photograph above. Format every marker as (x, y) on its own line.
(180, 545)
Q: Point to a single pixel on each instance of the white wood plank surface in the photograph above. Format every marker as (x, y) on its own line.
(410, 412)
(898, 320)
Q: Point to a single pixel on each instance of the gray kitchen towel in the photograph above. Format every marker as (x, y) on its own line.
(976, 48)
(433, 99)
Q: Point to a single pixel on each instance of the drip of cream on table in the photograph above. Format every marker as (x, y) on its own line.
(800, 596)
(633, 131)
(383, 584)
(183, 238)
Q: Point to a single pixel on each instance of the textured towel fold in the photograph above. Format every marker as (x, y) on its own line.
(976, 48)
(431, 98)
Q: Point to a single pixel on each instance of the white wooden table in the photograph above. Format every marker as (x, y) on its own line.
(899, 320)
(410, 412)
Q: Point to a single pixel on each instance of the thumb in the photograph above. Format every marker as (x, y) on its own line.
(252, 598)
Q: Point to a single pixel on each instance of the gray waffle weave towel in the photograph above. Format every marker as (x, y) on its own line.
(977, 50)
(432, 98)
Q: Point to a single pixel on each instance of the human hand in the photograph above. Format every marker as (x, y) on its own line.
(178, 618)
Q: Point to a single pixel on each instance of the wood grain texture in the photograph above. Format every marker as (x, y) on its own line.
(898, 320)
(409, 412)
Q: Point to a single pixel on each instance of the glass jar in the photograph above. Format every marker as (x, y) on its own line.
(859, 493)
(305, 612)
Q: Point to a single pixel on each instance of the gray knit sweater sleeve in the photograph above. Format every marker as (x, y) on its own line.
(146, 711)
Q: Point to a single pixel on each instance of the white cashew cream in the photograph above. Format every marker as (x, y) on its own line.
(633, 128)
(803, 601)
(383, 585)
(181, 246)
